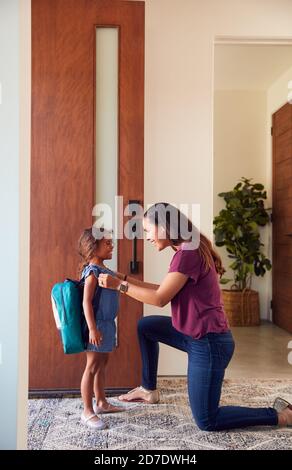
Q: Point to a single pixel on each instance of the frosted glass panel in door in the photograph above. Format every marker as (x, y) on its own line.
(107, 72)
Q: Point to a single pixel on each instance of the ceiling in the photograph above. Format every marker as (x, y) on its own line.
(250, 67)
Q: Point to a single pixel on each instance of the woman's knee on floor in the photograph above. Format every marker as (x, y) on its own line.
(206, 423)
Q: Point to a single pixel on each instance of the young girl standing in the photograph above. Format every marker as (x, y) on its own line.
(100, 310)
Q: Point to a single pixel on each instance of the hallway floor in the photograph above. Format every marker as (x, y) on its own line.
(261, 352)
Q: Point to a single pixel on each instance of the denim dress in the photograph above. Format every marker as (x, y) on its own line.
(105, 304)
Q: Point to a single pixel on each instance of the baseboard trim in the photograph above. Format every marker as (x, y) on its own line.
(71, 393)
(75, 392)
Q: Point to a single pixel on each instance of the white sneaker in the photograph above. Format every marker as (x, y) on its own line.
(96, 424)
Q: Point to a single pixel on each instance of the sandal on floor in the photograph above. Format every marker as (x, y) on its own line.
(87, 420)
(282, 406)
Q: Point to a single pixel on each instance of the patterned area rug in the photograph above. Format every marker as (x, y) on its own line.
(55, 423)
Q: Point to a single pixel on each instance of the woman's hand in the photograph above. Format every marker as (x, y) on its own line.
(95, 337)
(108, 282)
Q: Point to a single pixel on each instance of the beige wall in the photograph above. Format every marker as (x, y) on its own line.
(179, 105)
(277, 94)
(240, 150)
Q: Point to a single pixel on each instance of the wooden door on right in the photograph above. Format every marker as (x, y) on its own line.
(282, 217)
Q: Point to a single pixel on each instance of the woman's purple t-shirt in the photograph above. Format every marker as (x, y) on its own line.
(197, 309)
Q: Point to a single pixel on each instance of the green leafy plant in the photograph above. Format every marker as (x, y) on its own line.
(237, 228)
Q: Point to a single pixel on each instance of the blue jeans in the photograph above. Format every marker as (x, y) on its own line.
(208, 358)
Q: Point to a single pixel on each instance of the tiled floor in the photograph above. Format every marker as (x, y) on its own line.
(261, 352)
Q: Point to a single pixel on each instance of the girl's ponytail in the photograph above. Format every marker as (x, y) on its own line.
(87, 245)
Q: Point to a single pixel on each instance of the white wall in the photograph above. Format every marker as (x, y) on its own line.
(240, 143)
(179, 104)
(9, 177)
(277, 94)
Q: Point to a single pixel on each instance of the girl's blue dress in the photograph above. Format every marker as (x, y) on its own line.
(105, 304)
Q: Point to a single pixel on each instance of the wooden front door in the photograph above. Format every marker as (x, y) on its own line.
(63, 171)
(282, 217)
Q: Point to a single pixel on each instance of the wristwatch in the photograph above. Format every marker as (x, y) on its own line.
(123, 287)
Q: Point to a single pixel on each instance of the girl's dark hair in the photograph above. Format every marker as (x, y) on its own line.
(180, 229)
(87, 245)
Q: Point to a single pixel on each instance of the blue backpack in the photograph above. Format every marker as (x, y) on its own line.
(68, 312)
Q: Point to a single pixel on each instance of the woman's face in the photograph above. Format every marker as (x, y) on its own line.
(155, 235)
(105, 248)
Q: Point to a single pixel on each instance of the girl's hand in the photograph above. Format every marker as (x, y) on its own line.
(95, 337)
(108, 282)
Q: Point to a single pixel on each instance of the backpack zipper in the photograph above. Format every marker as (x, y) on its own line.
(63, 303)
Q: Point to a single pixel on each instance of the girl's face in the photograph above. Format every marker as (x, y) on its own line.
(105, 248)
(155, 235)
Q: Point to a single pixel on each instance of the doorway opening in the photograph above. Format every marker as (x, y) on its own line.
(251, 83)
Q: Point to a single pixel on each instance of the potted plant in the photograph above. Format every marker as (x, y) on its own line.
(237, 228)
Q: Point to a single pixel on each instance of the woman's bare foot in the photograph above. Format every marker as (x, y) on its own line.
(285, 417)
(140, 394)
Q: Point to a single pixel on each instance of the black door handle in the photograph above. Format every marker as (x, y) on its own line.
(134, 264)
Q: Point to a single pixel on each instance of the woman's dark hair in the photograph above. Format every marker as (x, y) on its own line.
(180, 229)
(87, 245)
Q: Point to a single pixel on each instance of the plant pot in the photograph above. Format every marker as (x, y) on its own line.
(242, 308)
